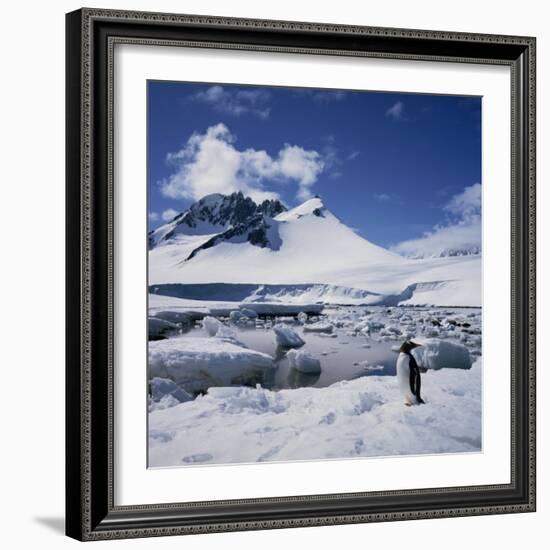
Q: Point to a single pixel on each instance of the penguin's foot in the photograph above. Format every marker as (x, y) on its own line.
(408, 404)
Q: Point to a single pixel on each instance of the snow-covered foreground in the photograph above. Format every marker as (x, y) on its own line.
(356, 418)
(219, 387)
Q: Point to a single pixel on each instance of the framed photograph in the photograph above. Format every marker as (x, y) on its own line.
(300, 274)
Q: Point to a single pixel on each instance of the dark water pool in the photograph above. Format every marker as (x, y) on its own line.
(344, 357)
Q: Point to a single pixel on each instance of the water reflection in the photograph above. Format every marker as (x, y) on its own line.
(253, 377)
(343, 357)
(297, 379)
(280, 353)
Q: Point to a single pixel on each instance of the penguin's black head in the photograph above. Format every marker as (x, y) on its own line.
(408, 346)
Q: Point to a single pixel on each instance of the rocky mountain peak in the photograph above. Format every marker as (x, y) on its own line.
(216, 213)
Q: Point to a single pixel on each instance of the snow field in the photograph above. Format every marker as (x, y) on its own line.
(358, 418)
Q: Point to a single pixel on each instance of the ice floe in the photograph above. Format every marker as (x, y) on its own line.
(438, 354)
(195, 365)
(287, 337)
(304, 361)
(320, 326)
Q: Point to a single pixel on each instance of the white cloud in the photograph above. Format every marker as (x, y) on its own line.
(169, 214)
(462, 231)
(353, 155)
(296, 163)
(467, 203)
(236, 102)
(382, 197)
(396, 111)
(153, 216)
(210, 163)
(442, 240)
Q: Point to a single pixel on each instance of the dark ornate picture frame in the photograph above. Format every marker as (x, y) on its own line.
(90, 510)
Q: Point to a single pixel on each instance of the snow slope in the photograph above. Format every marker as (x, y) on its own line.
(357, 418)
(314, 241)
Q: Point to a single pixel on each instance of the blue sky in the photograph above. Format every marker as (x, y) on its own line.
(396, 167)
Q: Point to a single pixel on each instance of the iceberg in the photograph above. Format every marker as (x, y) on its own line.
(320, 326)
(249, 313)
(438, 354)
(304, 362)
(286, 337)
(211, 325)
(196, 363)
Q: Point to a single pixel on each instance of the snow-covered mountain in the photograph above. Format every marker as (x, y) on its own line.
(235, 235)
(231, 239)
(214, 214)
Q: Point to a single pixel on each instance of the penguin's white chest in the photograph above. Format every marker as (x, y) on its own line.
(403, 377)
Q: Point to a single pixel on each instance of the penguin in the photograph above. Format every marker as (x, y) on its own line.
(408, 374)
